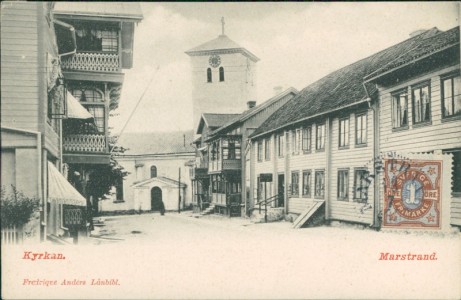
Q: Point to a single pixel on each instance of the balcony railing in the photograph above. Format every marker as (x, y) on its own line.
(94, 143)
(89, 61)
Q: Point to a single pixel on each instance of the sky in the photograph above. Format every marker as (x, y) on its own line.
(297, 43)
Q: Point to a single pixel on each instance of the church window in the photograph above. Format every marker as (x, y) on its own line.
(221, 74)
(208, 75)
(153, 172)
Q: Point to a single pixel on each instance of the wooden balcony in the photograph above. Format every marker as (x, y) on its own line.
(85, 143)
(92, 61)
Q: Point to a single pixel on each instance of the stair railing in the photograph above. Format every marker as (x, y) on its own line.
(265, 202)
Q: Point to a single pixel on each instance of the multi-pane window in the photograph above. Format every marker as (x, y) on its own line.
(295, 183)
(399, 110)
(260, 150)
(96, 37)
(280, 145)
(231, 149)
(361, 129)
(421, 101)
(319, 184)
(451, 96)
(320, 137)
(209, 76)
(215, 151)
(307, 139)
(360, 185)
(307, 183)
(343, 184)
(344, 132)
(221, 74)
(267, 149)
(217, 185)
(87, 95)
(296, 142)
(98, 115)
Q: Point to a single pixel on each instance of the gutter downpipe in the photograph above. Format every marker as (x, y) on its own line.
(39, 178)
(376, 202)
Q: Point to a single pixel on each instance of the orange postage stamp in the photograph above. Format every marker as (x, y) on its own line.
(412, 193)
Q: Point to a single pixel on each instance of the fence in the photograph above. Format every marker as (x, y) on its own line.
(12, 235)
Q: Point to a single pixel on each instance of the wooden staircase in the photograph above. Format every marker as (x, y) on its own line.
(208, 210)
(307, 214)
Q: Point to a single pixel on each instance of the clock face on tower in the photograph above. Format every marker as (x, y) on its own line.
(214, 61)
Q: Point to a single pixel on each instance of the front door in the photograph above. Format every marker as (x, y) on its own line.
(156, 198)
(281, 190)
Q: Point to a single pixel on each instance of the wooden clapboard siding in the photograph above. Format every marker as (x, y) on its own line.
(350, 159)
(11, 139)
(315, 160)
(264, 166)
(351, 211)
(438, 135)
(20, 60)
(298, 205)
(455, 208)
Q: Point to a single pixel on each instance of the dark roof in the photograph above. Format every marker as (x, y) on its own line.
(429, 46)
(214, 121)
(251, 112)
(156, 142)
(218, 45)
(340, 89)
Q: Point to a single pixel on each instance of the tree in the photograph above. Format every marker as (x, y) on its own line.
(101, 179)
(16, 209)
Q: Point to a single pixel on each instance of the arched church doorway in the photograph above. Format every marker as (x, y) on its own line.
(156, 199)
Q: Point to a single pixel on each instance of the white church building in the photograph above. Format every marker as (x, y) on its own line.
(158, 167)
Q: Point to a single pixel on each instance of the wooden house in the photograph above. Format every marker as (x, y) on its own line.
(315, 153)
(226, 157)
(204, 159)
(93, 71)
(33, 105)
(420, 106)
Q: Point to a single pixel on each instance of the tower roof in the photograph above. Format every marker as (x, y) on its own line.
(219, 45)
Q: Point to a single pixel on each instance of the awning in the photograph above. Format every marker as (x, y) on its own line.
(75, 110)
(60, 190)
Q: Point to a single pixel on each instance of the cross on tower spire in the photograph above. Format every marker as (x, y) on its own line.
(222, 23)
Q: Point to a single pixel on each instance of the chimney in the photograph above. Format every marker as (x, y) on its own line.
(277, 90)
(417, 32)
(251, 104)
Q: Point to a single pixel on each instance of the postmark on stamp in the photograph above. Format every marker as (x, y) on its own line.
(412, 193)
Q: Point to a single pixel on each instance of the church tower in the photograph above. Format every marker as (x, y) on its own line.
(223, 77)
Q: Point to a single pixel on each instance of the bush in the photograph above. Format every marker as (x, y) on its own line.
(16, 209)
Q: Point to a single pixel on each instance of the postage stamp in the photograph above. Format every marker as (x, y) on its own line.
(412, 193)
